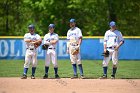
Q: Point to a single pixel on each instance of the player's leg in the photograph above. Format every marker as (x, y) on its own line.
(26, 64)
(54, 61)
(115, 62)
(47, 64)
(105, 66)
(73, 59)
(80, 65)
(34, 64)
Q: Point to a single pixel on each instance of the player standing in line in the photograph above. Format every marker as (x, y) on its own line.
(32, 41)
(74, 33)
(113, 39)
(51, 39)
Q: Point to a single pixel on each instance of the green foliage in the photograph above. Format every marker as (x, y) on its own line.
(92, 16)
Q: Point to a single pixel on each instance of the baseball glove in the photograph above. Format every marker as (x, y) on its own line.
(37, 44)
(75, 50)
(45, 47)
(105, 54)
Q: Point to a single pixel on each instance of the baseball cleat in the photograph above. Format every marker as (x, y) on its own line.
(32, 77)
(45, 76)
(82, 77)
(103, 77)
(112, 76)
(57, 76)
(74, 77)
(24, 76)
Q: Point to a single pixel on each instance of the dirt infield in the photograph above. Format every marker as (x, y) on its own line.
(67, 85)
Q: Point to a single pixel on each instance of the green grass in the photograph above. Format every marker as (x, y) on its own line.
(92, 68)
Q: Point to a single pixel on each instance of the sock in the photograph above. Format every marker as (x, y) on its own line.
(33, 71)
(114, 71)
(105, 70)
(46, 70)
(74, 69)
(55, 70)
(25, 71)
(81, 69)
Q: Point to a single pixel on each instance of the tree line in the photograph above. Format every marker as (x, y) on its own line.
(92, 16)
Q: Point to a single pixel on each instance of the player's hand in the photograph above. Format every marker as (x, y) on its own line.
(33, 42)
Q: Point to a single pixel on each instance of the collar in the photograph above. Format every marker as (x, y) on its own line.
(51, 33)
(73, 28)
(32, 34)
(113, 30)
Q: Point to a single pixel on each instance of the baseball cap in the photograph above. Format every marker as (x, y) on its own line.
(112, 23)
(51, 26)
(31, 26)
(72, 20)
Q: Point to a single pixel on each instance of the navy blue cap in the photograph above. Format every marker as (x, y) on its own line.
(72, 20)
(112, 23)
(51, 26)
(31, 26)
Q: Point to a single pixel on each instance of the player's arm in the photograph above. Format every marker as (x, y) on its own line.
(117, 47)
(80, 37)
(38, 40)
(26, 39)
(105, 42)
(105, 47)
(68, 42)
(120, 43)
(80, 40)
(68, 45)
(55, 40)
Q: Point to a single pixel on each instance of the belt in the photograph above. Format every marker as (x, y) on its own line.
(30, 48)
(110, 47)
(51, 48)
(74, 44)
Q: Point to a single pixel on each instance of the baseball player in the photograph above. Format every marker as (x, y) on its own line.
(32, 41)
(74, 34)
(51, 39)
(113, 39)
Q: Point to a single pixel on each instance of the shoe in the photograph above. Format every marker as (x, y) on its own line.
(57, 76)
(82, 77)
(24, 76)
(112, 76)
(32, 77)
(103, 77)
(74, 76)
(45, 76)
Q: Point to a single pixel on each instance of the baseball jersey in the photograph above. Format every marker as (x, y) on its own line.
(113, 38)
(48, 37)
(31, 37)
(74, 33)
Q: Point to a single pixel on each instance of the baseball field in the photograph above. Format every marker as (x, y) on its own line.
(127, 78)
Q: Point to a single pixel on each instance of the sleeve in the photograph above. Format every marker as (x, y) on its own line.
(68, 35)
(57, 37)
(79, 33)
(44, 40)
(26, 36)
(38, 37)
(121, 37)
